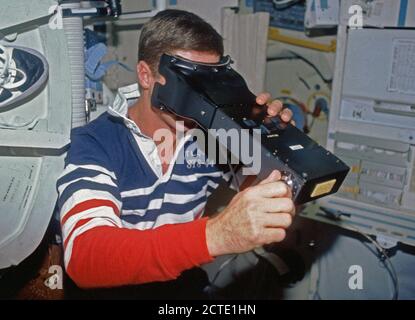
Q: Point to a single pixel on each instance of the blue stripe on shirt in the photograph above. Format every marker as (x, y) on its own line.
(81, 173)
(84, 185)
(152, 215)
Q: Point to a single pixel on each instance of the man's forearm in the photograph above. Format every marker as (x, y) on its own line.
(109, 256)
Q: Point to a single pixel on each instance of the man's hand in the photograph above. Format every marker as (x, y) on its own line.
(256, 216)
(275, 107)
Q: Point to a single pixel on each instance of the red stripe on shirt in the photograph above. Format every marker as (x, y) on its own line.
(89, 204)
(80, 223)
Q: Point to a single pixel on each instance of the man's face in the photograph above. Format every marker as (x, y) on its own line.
(197, 56)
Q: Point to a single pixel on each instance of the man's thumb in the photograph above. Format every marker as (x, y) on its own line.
(274, 176)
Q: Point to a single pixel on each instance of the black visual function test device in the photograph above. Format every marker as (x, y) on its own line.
(217, 97)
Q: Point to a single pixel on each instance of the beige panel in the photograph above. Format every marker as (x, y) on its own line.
(246, 41)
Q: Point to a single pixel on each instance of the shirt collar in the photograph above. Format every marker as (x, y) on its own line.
(126, 96)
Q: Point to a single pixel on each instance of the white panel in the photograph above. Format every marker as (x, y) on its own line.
(370, 56)
(246, 42)
(32, 156)
(368, 111)
(373, 111)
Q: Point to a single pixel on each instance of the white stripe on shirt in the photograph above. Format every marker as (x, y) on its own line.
(97, 213)
(100, 178)
(167, 218)
(72, 167)
(84, 195)
(195, 176)
(181, 178)
(183, 198)
(172, 198)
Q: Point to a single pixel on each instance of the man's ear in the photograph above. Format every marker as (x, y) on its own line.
(145, 75)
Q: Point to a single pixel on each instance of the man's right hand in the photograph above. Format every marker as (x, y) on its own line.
(256, 216)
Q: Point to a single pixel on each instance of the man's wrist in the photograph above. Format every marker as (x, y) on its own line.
(214, 240)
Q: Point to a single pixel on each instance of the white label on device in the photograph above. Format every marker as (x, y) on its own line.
(296, 147)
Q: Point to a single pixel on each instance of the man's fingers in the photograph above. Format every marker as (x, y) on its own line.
(286, 115)
(268, 190)
(271, 235)
(274, 108)
(263, 98)
(274, 176)
(280, 220)
(289, 193)
(277, 205)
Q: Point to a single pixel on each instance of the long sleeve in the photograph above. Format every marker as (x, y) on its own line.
(98, 250)
(108, 256)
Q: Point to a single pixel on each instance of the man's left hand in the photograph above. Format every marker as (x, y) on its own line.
(274, 108)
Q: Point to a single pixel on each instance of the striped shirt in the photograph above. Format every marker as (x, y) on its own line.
(113, 183)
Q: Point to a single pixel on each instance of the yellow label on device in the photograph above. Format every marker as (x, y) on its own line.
(323, 188)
